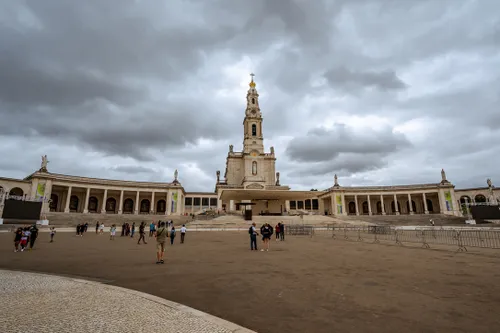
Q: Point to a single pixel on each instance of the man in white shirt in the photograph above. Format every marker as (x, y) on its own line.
(183, 233)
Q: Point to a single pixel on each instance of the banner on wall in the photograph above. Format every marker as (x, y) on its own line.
(40, 190)
(174, 201)
(339, 204)
(447, 197)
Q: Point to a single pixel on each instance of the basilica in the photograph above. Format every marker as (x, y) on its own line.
(250, 182)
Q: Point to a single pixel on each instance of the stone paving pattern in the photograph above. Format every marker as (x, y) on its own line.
(44, 303)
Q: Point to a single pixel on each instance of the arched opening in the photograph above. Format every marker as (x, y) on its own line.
(161, 206)
(379, 207)
(93, 202)
(145, 206)
(128, 206)
(253, 100)
(17, 192)
(464, 201)
(352, 208)
(254, 168)
(54, 200)
(254, 130)
(111, 205)
(393, 207)
(413, 206)
(480, 198)
(365, 207)
(73, 203)
(430, 206)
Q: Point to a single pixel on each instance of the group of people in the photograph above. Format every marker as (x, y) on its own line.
(25, 238)
(81, 228)
(266, 230)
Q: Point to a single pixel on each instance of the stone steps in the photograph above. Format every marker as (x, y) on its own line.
(72, 219)
(402, 220)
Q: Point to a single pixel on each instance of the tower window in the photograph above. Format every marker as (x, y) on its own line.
(254, 130)
(253, 100)
(254, 168)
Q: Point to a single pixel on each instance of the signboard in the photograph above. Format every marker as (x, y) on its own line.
(339, 204)
(449, 202)
(174, 201)
(40, 190)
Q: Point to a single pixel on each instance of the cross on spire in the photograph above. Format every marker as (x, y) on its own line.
(252, 75)
(252, 84)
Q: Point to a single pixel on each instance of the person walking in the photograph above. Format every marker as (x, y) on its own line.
(152, 228)
(142, 233)
(17, 239)
(172, 235)
(266, 231)
(34, 235)
(277, 231)
(253, 237)
(101, 228)
(97, 227)
(282, 231)
(183, 233)
(112, 232)
(132, 231)
(161, 237)
(52, 234)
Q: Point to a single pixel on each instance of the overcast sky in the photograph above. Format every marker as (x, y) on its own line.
(378, 91)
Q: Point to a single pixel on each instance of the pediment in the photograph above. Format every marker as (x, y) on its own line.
(255, 186)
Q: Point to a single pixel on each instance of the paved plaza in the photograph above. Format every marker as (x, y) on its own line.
(46, 303)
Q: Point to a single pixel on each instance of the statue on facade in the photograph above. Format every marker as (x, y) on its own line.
(488, 181)
(176, 174)
(277, 179)
(230, 148)
(45, 161)
(218, 176)
(335, 180)
(443, 175)
(272, 150)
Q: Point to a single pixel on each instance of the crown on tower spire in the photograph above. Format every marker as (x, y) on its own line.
(252, 83)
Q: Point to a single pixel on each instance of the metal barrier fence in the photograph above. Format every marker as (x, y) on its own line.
(300, 230)
(462, 238)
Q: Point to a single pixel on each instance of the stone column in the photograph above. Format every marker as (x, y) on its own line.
(120, 204)
(168, 211)
(68, 196)
(410, 206)
(333, 204)
(179, 203)
(369, 206)
(356, 204)
(442, 202)
(86, 205)
(396, 209)
(104, 199)
(231, 205)
(153, 205)
(287, 205)
(344, 208)
(136, 208)
(382, 204)
(426, 210)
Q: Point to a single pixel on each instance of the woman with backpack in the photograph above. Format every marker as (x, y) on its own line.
(266, 231)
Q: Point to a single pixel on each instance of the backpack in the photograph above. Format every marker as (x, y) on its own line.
(250, 231)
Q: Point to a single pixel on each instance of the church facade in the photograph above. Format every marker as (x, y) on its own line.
(250, 179)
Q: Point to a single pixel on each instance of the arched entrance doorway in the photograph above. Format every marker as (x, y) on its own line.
(413, 206)
(365, 208)
(73, 203)
(480, 198)
(393, 207)
(145, 206)
(128, 206)
(111, 205)
(93, 203)
(430, 206)
(54, 201)
(379, 207)
(352, 208)
(17, 192)
(161, 206)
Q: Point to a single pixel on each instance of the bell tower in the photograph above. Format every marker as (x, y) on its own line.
(252, 124)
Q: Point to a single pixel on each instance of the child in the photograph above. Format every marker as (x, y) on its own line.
(24, 239)
(17, 239)
(113, 232)
(52, 233)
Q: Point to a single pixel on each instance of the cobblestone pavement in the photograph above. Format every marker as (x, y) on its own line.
(44, 303)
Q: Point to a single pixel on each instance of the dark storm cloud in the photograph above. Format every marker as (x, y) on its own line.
(321, 144)
(132, 169)
(136, 80)
(353, 80)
